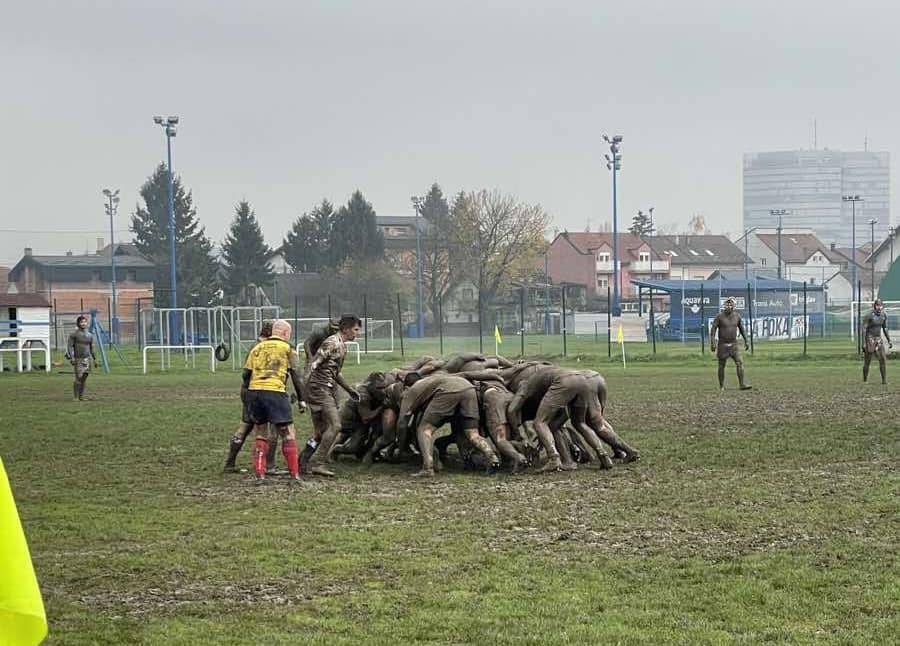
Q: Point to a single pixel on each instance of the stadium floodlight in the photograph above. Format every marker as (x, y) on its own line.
(158, 120)
(614, 164)
(112, 207)
(419, 205)
(169, 128)
(173, 119)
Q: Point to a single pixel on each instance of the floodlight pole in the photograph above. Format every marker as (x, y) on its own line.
(112, 206)
(614, 164)
(418, 203)
(853, 199)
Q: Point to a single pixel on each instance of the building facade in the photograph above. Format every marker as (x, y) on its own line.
(809, 185)
(697, 257)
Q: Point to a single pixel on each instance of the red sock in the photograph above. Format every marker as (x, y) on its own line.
(289, 449)
(259, 456)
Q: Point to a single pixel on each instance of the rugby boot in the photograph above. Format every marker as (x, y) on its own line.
(424, 473)
(553, 464)
(234, 447)
(605, 462)
(319, 470)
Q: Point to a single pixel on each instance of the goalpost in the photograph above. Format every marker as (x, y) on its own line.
(377, 336)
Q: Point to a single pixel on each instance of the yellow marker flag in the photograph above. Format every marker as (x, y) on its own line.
(23, 621)
(620, 335)
(497, 337)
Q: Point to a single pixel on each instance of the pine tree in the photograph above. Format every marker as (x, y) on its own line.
(195, 267)
(640, 224)
(307, 246)
(356, 233)
(437, 246)
(245, 255)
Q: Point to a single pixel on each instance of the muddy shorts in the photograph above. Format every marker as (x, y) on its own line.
(269, 407)
(875, 345)
(495, 402)
(562, 391)
(82, 368)
(725, 351)
(461, 408)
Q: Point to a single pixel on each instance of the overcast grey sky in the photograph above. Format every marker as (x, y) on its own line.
(286, 103)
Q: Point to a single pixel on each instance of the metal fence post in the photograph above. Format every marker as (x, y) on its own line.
(399, 324)
(750, 313)
(366, 322)
(805, 323)
(702, 322)
(652, 322)
(441, 322)
(562, 320)
(522, 321)
(858, 317)
(329, 308)
(480, 326)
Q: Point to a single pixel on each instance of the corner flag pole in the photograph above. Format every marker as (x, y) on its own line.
(497, 339)
(620, 337)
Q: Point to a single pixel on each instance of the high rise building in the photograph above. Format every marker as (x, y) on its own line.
(809, 185)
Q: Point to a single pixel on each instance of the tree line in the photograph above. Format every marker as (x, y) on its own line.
(486, 238)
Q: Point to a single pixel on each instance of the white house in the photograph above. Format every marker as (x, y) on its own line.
(804, 258)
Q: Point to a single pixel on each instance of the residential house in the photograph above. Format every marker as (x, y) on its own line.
(884, 254)
(697, 257)
(586, 258)
(839, 288)
(82, 283)
(399, 233)
(4, 280)
(803, 256)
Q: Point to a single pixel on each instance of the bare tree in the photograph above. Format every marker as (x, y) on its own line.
(498, 239)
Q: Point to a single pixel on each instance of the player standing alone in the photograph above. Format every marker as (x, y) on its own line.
(728, 323)
(80, 350)
(874, 324)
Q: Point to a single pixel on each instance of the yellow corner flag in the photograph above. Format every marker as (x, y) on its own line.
(497, 337)
(620, 335)
(23, 621)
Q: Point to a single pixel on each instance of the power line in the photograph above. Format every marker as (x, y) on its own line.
(67, 231)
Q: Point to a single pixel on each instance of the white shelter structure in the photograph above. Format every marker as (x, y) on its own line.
(24, 329)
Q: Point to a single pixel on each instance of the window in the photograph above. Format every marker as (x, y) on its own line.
(603, 283)
(644, 256)
(693, 253)
(672, 253)
(812, 281)
(603, 256)
(762, 261)
(131, 276)
(95, 276)
(468, 293)
(709, 253)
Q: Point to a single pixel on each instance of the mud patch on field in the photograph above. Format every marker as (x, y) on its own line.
(179, 596)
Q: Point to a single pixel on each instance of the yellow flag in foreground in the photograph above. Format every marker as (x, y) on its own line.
(497, 337)
(620, 336)
(23, 621)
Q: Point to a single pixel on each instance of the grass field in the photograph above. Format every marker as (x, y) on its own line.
(766, 516)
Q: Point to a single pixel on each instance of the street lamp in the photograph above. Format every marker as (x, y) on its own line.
(892, 235)
(779, 213)
(112, 206)
(614, 164)
(419, 204)
(853, 199)
(872, 223)
(169, 124)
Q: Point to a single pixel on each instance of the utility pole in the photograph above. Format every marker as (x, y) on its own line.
(112, 206)
(614, 164)
(853, 199)
(779, 213)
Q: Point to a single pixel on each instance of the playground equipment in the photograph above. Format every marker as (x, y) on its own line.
(193, 329)
(24, 329)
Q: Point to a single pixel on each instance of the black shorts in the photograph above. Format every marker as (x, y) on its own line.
(269, 407)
